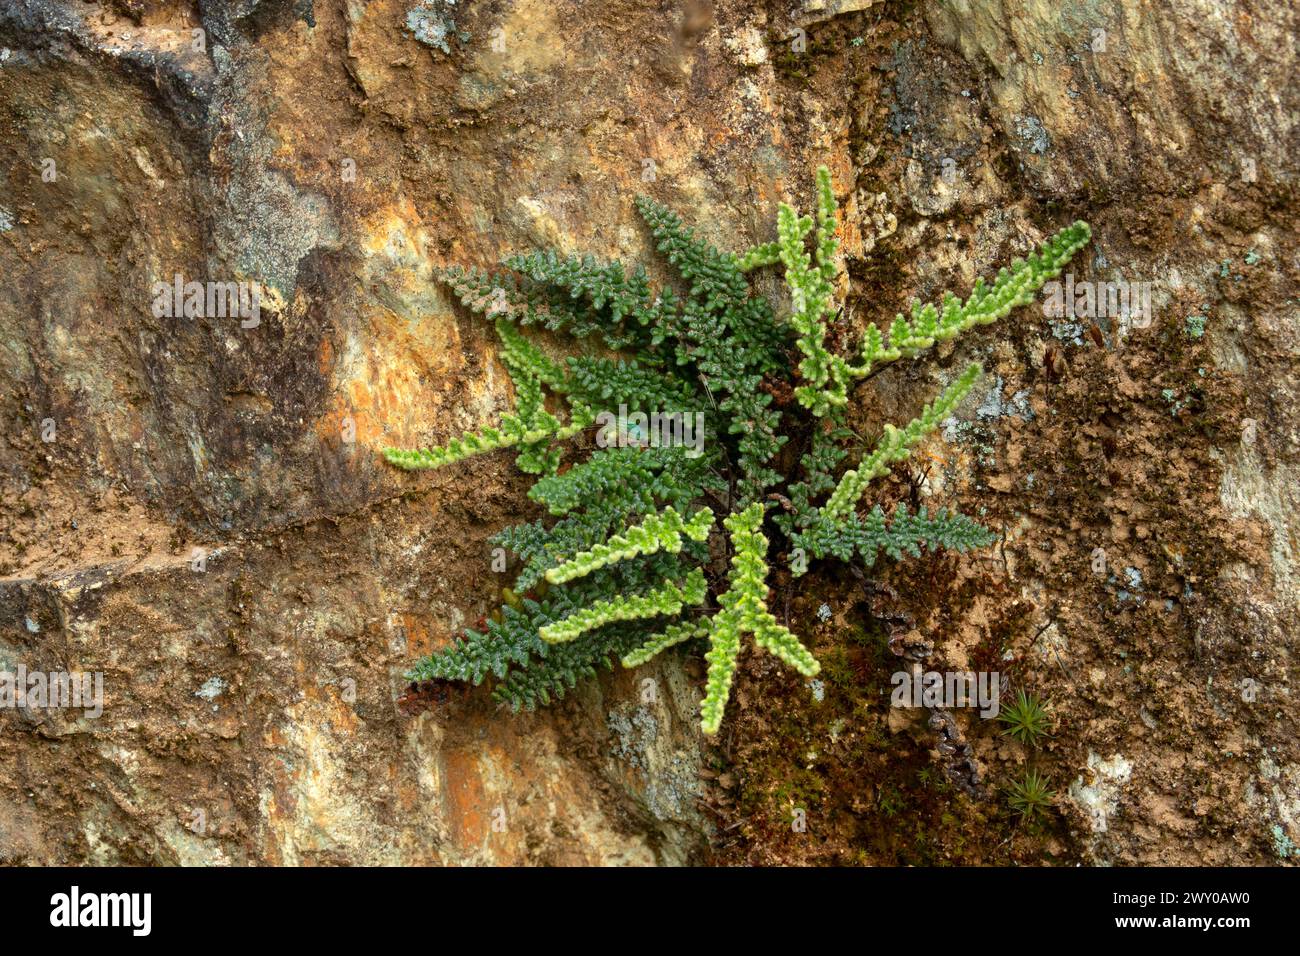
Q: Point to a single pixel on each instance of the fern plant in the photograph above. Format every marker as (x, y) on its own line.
(618, 571)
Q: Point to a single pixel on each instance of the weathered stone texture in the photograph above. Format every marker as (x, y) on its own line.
(255, 708)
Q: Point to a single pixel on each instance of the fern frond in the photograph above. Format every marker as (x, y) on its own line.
(902, 533)
(510, 641)
(809, 279)
(529, 369)
(658, 532)
(827, 223)
(605, 287)
(549, 678)
(520, 354)
(670, 636)
(669, 598)
(643, 474)
(826, 376)
(722, 655)
(779, 641)
(714, 276)
(896, 445)
(483, 292)
(746, 337)
(601, 495)
(1011, 288)
(608, 383)
(810, 294)
(764, 254)
(512, 431)
(744, 609)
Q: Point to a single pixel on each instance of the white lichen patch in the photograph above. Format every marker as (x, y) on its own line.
(212, 688)
(1097, 790)
(747, 47)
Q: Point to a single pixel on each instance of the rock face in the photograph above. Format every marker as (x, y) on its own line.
(193, 506)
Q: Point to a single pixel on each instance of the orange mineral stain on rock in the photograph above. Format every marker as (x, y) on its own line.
(468, 815)
(420, 638)
(325, 356)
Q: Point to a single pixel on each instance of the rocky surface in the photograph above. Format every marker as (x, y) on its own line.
(194, 507)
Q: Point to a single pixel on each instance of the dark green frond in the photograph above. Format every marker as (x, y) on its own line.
(900, 534)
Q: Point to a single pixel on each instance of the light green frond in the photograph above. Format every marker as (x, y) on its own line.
(512, 431)
(724, 650)
(670, 636)
(896, 445)
(827, 223)
(764, 254)
(1011, 288)
(826, 377)
(658, 532)
(519, 353)
(779, 640)
(810, 294)
(744, 609)
(669, 598)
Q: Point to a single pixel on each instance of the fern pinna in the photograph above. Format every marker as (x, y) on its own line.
(679, 385)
